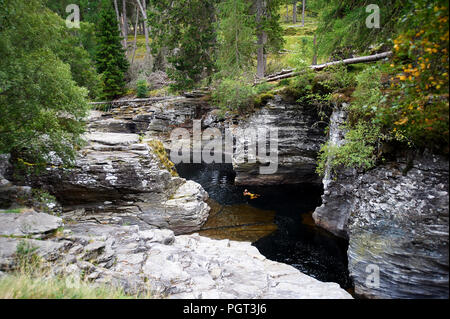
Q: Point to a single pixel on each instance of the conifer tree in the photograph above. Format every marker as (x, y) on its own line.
(110, 56)
(186, 29)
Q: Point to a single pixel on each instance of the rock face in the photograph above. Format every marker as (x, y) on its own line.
(337, 198)
(165, 265)
(116, 196)
(397, 223)
(10, 193)
(400, 224)
(300, 135)
(141, 118)
(117, 179)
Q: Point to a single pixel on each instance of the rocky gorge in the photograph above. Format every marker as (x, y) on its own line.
(126, 219)
(130, 220)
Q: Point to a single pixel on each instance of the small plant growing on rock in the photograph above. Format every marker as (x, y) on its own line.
(160, 151)
(26, 257)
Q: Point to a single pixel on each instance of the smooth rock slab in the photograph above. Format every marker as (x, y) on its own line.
(28, 223)
(191, 266)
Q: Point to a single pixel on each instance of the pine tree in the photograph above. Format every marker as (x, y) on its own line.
(110, 56)
(247, 28)
(186, 29)
(236, 38)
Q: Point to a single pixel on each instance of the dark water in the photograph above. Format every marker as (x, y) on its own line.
(297, 241)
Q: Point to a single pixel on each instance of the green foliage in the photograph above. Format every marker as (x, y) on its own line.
(332, 79)
(110, 57)
(358, 151)
(367, 95)
(186, 28)
(302, 52)
(25, 286)
(11, 211)
(406, 103)
(272, 27)
(264, 87)
(237, 31)
(419, 73)
(27, 258)
(41, 107)
(71, 50)
(142, 88)
(343, 27)
(236, 37)
(88, 8)
(234, 94)
(311, 86)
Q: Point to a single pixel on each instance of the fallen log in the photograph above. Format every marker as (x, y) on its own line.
(292, 73)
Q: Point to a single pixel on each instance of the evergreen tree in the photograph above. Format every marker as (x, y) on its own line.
(342, 25)
(110, 57)
(186, 29)
(247, 28)
(236, 38)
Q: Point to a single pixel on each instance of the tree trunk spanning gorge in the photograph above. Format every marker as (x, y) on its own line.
(285, 74)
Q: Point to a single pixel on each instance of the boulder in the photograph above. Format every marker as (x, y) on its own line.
(118, 179)
(10, 253)
(28, 224)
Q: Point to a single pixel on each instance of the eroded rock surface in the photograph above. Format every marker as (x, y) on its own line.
(300, 135)
(165, 265)
(396, 217)
(118, 179)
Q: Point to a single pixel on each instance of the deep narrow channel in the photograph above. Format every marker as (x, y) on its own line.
(279, 223)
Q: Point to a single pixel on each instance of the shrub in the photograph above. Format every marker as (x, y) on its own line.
(142, 88)
(359, 150)
(234, 94)
(333, 78)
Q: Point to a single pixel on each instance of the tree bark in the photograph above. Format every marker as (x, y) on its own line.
(124, 24)
(135, 34)
(262, 39)
(287, 13)
(143, 8)
(285, 74)
(303, 13)
(294, 13)
(116, 8)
